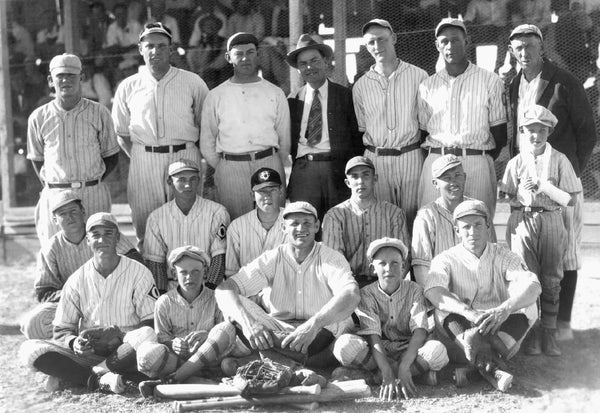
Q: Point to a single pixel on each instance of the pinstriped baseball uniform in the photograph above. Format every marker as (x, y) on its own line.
(175, 317)
(458, 112)
(157, 113)
(71, 144)
(386, 111)
(247, 239)
(241, 118)
(540, 237)
(350, 230)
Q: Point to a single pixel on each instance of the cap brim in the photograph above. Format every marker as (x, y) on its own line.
(358, 164)
(184, 169)
(444, 26)
(70, 70)
(63, 203)
(534, 121)
(446, 168)
(101, 224)
(468, 213)
(292, 56)
(258, 187)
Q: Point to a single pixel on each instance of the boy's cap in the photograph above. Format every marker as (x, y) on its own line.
(471, 207)
(181, 166)
(65, 63)
(444, 163)
(386, 242)
(525, 29)
(63, 198)
(156, 27)
(263, 178)
(241, 38)
(191, 251)
(103, 219)
(358, 161)
(301, 207)
(450, 22)
(538, 114)
(377, 22)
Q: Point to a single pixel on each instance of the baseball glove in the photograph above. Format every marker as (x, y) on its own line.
(262, 377)
(104, 340)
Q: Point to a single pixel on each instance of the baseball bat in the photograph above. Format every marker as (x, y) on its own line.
(203, 391)
(353, 389)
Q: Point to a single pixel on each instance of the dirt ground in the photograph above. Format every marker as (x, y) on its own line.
(570, 383)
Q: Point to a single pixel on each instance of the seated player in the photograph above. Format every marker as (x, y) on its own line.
(105, 312)
(351, 226)
(539, 182)
(62, 256)
(188, 219)
(259, 230)
(393, 335)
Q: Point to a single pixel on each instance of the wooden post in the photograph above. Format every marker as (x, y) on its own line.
(339, 38)
(296, 29)
(7, 169)
(71, 27)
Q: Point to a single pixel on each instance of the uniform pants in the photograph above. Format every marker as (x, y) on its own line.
(37, 323)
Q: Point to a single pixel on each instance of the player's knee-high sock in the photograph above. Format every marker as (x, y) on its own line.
(567, 295)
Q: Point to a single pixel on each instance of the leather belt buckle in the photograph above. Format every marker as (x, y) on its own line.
(310, 157)
(76, 185)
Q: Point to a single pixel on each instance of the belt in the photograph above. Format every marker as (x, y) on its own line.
(458, 151)
(532, 209)
(317, 157)
(73, 185)
(168, 148)
(252, 156)
(391, 151)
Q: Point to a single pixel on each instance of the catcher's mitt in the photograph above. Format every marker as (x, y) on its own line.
(104, 340)
(262, 377)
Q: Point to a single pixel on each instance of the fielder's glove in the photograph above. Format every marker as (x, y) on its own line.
(104, 340)
(262, 377)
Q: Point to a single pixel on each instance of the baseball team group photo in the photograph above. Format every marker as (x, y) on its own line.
(289, 205)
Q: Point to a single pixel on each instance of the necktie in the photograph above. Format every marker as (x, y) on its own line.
(314, 125)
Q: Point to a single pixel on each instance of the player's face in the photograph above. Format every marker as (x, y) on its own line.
(534, 138)
(312, 67)
(452, 44)
(155, 48)
(361, 180)
(103, 240)
(389, 266)
(268, 199)
(451, 183)
(473, 232)
(380, 43)
(301, 229)
(190, 274)
(528, 50)
(185, 184)
(70, 218)
(244, 58)
(66, 85)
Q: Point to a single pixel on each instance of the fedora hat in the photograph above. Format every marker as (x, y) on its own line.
(306, 42)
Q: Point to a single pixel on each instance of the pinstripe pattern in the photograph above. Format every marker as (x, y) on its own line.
(125, 298)
(175, 317)
(247, 239)
(168, 228)
(573, 217)
(349, 230)
(31, 350)
(37, 323)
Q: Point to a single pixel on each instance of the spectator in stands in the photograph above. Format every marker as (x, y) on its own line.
(95, 86)
(158, 14)
(489, 19)
(135, 12)
(536, 12)
(246, 19)
(50, 40)
(208, 7)
(96, 27)
(122, 34)
(23, 43)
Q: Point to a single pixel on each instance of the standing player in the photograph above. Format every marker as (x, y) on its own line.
(188, 219)
(539, 181)
(352, 225)
(245, 126)
(461, 108)
(385, 101)
(260, 229)
(65, 253)
(72, 144)
(543, 83)
(157, 116)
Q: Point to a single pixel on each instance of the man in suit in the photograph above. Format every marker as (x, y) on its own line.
(543, 83)
(324, 131)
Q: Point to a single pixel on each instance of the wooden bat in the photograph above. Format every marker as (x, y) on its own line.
(203, 391)
(353, 389)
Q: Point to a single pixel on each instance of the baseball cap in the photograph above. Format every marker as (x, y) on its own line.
(450, 22)
(444, 163)
(182, 165)
(471, 207)
(525, 29)
(241, 38)
(156, 27)
(386, 242)
(62, 198)
(65, 63)
(358, 161)
(301, 207)
(377, 22)
(191, 251)
(263, 178)
(538, 114)
(155, 360)
(103, 219)
(307, 42)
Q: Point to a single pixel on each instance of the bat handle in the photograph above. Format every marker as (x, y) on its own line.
(314, 389)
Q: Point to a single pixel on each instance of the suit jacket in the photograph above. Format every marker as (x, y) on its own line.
(561, 92)
(344, 136)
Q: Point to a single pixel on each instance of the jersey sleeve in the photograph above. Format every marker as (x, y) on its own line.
(120, 110)
(333, 230)
(510, 180)
(199, 96)
(282, 124)
(368, 314)
(496, 111)
(257, 274)
(424, 110)
(145, 293)
(338, 271)
(418, 310)
(69, 310)
(567, 180)
(35, 142)
(439, 273)
(232, 254)
(209, 132)
(220, 222)
(107, 138)
(155, 248)
(48, 274)
(423, 239)
(162, 320)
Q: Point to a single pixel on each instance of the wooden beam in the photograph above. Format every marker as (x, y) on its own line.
(7, 169)
(71, 27)
(296, 29)
(339, 38)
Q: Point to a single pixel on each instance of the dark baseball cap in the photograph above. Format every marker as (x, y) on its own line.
(358, 161)
(264, 177)
(471, 207)
(241, 38)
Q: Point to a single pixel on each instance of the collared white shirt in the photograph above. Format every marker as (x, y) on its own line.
(323, 145)
(123, 36)
(527, 93)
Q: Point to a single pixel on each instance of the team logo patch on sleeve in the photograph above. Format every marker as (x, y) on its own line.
(222, 232)
(154, 292)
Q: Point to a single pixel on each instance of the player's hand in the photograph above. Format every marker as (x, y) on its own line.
(494, 318)
(82, 347)
(195, 339)
(530, 185)
(259, 336)
(389, 385)
(181, 347)
(406, 384)
(301, 337)
(474, 316)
